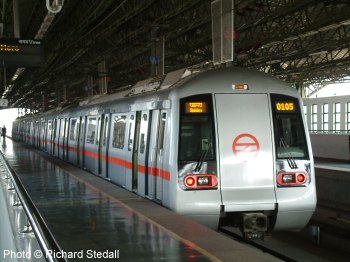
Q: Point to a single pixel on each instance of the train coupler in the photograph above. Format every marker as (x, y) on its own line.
(254, 226)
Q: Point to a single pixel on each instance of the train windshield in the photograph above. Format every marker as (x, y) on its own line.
(289, 130)
(196, 129)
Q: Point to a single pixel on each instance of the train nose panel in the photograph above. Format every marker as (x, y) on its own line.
(245, 146)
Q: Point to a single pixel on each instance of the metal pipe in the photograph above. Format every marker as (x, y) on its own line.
(3, 16)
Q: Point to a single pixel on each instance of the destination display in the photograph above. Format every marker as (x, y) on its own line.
(285, 106)
(21, 52)
(196, 107)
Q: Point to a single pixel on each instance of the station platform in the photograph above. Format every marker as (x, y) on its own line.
(332, 164)
(87, 214)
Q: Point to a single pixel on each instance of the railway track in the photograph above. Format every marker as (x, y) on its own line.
(237, 236)
(297, 246)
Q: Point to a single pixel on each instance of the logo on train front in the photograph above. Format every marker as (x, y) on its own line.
(245, 147)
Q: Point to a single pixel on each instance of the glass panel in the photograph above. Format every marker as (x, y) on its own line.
(161, 132)
(119, 125)
(49, 129)
(91, 130)
(290, 139)
(105, 133)
(197, 130)
(72, 130)
(325, 108)
(62, 128)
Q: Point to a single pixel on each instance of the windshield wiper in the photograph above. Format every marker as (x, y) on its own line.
(202, 158)
(291, 162)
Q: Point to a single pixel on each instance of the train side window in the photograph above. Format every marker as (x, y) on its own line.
(62, 128)
(49, 129)
(143, 137)
(161, 131)
(105, 133)
(131, 133)
(119, 125)
(91, 130)
(72, 130)
(197, 135)
(82, 129)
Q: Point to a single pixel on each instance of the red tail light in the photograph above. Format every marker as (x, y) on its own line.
(202, 181)
(291, 179)
(190, 181)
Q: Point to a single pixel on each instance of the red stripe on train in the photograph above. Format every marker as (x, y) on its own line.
(120, 162)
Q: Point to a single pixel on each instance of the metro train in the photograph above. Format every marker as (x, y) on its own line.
(226, 147)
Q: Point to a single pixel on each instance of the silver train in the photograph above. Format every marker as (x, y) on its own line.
(223, 146)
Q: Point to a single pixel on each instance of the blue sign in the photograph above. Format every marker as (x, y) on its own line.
(153, 60)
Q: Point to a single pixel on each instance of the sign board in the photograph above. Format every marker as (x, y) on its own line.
(21, 53)
(3, 102)
(196, 107)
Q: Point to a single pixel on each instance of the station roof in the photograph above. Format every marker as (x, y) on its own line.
(299, 41)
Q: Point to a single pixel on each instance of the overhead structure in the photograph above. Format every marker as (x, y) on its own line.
(223, 33)
(304, 42)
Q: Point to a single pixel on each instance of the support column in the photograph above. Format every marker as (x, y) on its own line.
(157, 54)
(58, 97)
(44, 101)
(102, 77)
(90, 83)
(301, 88)
(65, 94)
(16, 28)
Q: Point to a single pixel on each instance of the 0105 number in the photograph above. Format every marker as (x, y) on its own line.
(285, 106)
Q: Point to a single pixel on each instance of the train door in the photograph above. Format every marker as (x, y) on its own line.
(130, 177)
(43, 135)
(56, 128)
(32, 133)
(143, 153)
(61, 136)
(98, 146)
(37, 134)
(81, 139)
(65, 139)
(117, 162)
(49, 136)
(103, 151)
(91, 142)
(155, 181)
(245, 146)
(72, 147)
(27, 133)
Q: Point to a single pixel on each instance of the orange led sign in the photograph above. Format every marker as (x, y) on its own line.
(16, 52)
(196, 107)
(285, 106)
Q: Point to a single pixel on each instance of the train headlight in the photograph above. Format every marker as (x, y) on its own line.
(203, 181)
(200, 181)
(291, 179)
(287, 178)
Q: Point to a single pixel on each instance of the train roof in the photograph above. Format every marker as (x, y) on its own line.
(190, 81)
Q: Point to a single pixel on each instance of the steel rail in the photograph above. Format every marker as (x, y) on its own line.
(257, 245)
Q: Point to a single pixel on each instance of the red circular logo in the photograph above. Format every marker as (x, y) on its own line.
(245, 146)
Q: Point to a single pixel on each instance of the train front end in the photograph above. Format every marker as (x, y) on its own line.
(247, 155)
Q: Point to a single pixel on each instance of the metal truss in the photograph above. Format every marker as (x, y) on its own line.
(304, 42)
